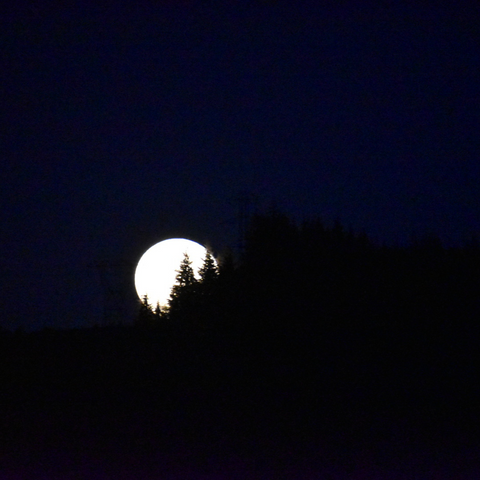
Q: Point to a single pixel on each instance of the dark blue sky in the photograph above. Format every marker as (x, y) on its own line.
(122, 126)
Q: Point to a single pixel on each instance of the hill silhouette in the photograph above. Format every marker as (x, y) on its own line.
(316, 352)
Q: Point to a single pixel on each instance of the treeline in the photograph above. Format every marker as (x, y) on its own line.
(310, 278)
(322, 308)
(192, 301)
(313, 335)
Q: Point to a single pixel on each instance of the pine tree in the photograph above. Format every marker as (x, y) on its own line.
(208, 272)
(183, 292)
(207, 292)
(146, 315)
(185, 275)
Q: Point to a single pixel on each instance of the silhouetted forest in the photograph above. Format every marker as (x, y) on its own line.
(313, 352)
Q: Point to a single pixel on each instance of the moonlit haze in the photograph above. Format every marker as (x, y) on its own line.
(157, 269)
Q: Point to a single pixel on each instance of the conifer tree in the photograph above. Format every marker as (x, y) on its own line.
(185, 275)
(145, 313)
(208, 272)
(207, 289)
(183, 292)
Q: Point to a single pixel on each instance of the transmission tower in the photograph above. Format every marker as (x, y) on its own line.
(246, 204)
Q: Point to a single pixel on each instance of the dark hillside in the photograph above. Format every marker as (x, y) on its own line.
(322, 354)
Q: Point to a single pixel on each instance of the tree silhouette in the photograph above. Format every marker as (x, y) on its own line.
(208, 292)
(185, 275)
(182, 297)
(195, 302)
(158, 311)
(208, 272)
(146, 315)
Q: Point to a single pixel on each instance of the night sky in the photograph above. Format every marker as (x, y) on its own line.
(126, 125)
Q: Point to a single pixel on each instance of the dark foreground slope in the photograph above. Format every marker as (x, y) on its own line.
(318, 355)
(137, 403)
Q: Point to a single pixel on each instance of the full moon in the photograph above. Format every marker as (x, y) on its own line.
(156, 271)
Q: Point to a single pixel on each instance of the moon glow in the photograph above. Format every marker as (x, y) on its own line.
(157, 269)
